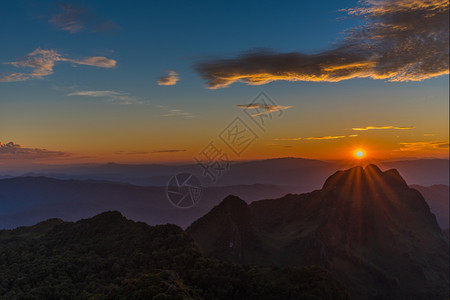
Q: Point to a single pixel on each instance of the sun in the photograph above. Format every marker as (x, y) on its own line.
(359, 153)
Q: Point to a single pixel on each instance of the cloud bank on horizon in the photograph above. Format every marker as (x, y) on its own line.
(12, 150)
(42, 61)
(401, 40)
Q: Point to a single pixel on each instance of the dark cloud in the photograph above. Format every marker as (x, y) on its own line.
(401, 40)
(75, 18)
(16, 151)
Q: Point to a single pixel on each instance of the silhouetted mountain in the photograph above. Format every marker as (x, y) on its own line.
(110, 257)
(27, 200)
(437, 197)
(424, 172)
(367, 227)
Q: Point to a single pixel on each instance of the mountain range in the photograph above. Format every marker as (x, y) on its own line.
(367, 227)
(364, 231)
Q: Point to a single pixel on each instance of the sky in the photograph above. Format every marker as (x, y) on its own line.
(149, 82)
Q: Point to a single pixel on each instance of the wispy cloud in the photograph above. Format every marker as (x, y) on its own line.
(171, 112)
(420, 146)
(169, 151)
(265, 108)
(170, 79)
(149, 152)
(382, 128)
(288, 139)
(16, 151)
(76, 18)
(41, 62)
(112, 96)
(327, 137)
(401, 40)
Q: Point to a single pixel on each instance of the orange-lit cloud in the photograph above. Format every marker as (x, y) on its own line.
(382, 128)
(170, 79)
(76, 18)
(288, 139)
(42, 61)
(327, 137)
(420, 146)
(401, 40)
(266, 108)
(15, 151)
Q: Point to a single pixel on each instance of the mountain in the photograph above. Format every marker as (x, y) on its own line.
(367, 227)
(437, 197)
(295, 174)
(424, 172)
(110, 257)
(27, 200)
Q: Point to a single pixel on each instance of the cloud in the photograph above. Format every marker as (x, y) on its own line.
(169, 151)
(95, 61)
(41, 62)
(76, 18)
(400, 40)
(382, 128)
(266, 108)
(327, 137)
(16, 151)
(170, 112)
(288, 139)
(111, 96)
(170, 79)
(419, 146)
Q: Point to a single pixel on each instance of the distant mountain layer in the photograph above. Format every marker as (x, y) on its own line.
(297, 175)
(28, 200)
(300, 175)
(110, 257)
(424, 172)
(367, 227)
(437, 197)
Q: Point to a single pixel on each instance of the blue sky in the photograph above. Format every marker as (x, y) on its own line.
(146, 40)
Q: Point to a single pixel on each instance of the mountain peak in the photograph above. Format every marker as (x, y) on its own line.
(369, 176)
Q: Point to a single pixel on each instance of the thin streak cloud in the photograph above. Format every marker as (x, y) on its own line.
(327, 137)
(111, 96)
(266, 108)
(382, 128)
(420, 146)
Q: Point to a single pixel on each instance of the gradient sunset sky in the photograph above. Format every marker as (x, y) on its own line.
(157, 81)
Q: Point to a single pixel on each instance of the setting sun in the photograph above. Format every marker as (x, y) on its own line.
(359, 153)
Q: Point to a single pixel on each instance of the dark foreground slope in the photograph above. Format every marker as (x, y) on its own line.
(110, 257)
(367, 227)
